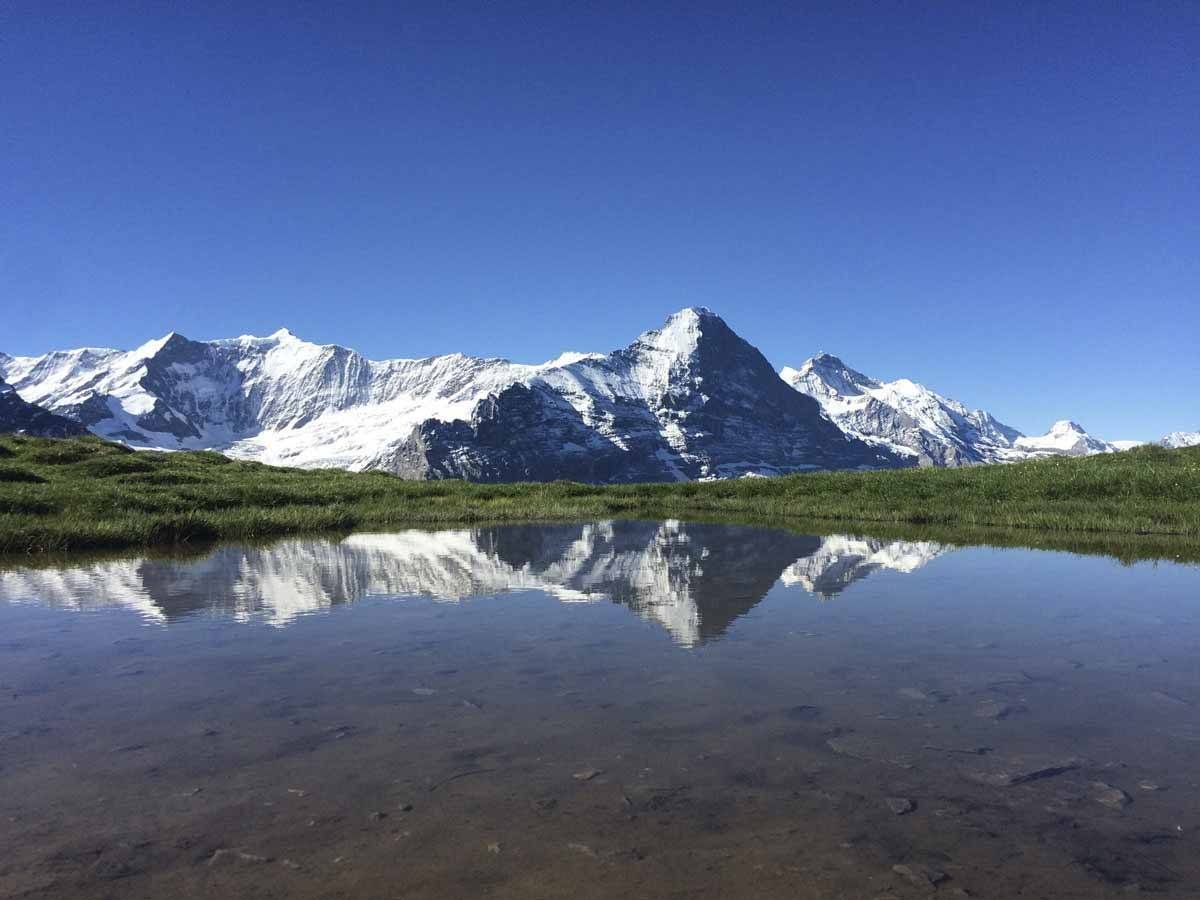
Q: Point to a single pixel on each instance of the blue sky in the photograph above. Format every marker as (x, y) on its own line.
(999, 200)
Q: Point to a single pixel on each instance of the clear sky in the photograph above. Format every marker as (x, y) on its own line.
(1000, 200)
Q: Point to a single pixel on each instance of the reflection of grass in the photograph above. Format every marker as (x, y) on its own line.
(84, 493)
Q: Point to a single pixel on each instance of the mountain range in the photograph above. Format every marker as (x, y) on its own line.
(690, 400)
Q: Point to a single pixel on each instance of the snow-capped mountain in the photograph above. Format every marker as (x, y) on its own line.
(1178, 439)
(16, 415)
(693, 580)
(910, 419)
(690, 400)
(1065, 438)
(902, 415)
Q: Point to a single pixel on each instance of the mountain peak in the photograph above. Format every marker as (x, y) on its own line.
(693, 313)
(1065, 426)
(158, 345)
(826, 373)
(283, 334)
(821, 358)
(680, 334)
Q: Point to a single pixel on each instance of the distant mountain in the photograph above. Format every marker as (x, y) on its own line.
(910, 419)
(693, 580)
(690, 400)
(1065, 438)
(18, 416)
(1181, 439)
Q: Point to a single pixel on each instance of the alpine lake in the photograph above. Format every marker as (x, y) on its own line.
(622, 709)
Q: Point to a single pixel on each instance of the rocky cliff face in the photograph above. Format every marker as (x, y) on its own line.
(18, 416)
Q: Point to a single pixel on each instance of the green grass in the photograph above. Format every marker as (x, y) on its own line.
(84, 493)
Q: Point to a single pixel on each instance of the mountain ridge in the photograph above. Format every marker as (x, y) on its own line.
(689, 400)
(909, 418)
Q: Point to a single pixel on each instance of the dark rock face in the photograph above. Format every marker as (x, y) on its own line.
(693, 400)
(17, 416)
(523, 434)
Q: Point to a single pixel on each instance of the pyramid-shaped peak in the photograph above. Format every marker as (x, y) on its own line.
(693, 313)
(826, 372)
(168, 341)
(682, 332)
(823, 360)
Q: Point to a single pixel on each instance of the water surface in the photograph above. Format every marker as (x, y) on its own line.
(644, 709)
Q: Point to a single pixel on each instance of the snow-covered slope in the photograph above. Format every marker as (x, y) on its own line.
(911, 419)
(693, 580)
(277, 399)
(690, 400)
(1181, 439)
(903, 415)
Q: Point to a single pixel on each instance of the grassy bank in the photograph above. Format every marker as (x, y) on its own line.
(83, 493)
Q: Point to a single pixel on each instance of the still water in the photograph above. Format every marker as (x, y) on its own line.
(620, 709)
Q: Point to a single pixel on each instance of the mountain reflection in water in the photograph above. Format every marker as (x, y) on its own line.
(693, 579)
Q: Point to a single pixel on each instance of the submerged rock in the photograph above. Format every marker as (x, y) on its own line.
(1112, 797)
(1007, 771)
(997, 710)
(921, 876)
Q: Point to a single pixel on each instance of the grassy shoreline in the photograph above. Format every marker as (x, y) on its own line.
(86, 494)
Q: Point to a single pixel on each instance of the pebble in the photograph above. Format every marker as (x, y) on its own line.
(900, 805)
(587, 774)
(1149, 786)
(494, 848)
(424, 692)
(1008, 771)
(995, 709)
(921, 876)
(236, 856)
(1112, 797)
